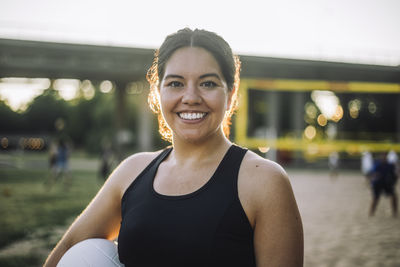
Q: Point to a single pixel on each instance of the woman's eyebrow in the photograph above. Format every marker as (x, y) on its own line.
(173, 76)
(210, 75)
(176, 76)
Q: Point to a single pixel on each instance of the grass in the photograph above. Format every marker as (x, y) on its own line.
(27, 206)
(17, 261)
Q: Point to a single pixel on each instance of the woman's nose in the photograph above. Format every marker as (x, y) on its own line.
(191, 95)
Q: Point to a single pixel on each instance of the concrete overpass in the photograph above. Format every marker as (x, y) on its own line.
(20, 58)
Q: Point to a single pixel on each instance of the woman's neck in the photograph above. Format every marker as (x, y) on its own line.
(214, 146)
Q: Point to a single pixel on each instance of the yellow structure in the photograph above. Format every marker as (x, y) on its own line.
(306, 143)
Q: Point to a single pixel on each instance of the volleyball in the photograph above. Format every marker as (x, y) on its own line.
(91, 252)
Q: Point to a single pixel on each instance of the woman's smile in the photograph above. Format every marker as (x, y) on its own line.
(192, 116)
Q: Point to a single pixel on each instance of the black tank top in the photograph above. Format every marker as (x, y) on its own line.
(205, 228)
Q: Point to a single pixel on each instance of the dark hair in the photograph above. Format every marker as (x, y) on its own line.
(214, 44)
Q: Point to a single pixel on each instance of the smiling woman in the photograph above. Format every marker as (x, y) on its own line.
(194, 95)
(229, 66)
(203, 201)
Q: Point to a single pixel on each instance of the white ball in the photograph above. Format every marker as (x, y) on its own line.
(91, 252)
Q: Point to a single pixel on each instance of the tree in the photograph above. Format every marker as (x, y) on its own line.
(43, 111)
(10, 121)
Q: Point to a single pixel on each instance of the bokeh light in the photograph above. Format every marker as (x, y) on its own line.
(106, 86)
(59, 124)
(338, 115)
(4, 142)
(264, 149)
(87, 89)
(326, 101)
(310, 132)
(311, 110)
(354, 108)
(372, 107)
(67, 88)
(322, 121)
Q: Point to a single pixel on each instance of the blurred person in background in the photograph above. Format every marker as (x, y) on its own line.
(333, 161)
(62, 162)
(52, 156)
(203, 201)
(58, 162)
(383, 180)
(367, 164)
(52, 164)
(392, 157)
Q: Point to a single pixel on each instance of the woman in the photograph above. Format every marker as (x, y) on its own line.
(203, 201)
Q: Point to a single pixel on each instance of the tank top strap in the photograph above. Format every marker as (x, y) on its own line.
(161, 157)
(230, 165)
(149, 170)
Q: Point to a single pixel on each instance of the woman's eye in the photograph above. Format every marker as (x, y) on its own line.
(174, 84)
(209, 84)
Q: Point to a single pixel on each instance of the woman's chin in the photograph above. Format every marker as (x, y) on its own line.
(195, 136)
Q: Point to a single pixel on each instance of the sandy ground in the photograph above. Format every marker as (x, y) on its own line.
(337, 229)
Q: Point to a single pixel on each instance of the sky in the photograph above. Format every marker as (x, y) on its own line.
(357, 31)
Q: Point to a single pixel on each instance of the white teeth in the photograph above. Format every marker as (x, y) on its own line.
(192, 116)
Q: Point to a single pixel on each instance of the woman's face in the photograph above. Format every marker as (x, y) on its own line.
(194, 94)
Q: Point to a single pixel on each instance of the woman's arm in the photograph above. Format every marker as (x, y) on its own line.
(278, 230)
(102, 217)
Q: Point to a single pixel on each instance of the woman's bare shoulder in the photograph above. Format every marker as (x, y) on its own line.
(263, 180)
(128, 170)
(140, 159)
(261, 169)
